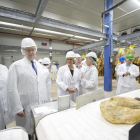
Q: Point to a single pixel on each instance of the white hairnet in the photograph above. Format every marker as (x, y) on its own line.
(93, 60)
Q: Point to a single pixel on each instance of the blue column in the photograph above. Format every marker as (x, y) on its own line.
(108, 50)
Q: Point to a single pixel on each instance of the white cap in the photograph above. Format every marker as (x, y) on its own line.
(54, 62)
(46, 60)
(40, 60)
(77, 55)
(26, 43)
(92, 54)
(70, 54)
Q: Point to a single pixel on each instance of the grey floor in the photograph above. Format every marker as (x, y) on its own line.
(54, 89)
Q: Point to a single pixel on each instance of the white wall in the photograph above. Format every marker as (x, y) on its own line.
(13, 40)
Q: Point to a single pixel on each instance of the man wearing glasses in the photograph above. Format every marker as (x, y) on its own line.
(26, 85)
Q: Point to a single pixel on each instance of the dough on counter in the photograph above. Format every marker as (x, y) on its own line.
(120, 110)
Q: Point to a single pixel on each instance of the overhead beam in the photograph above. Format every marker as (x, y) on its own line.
(19, 15)
(126, 37)
(90, 46)
(6, 47)
(39, 10)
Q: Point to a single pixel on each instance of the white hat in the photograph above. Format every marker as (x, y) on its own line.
(26, 43)
(46, 60)
(54, 62)
(77, 55)
(70, 54)
(40, 60)
(92, 54)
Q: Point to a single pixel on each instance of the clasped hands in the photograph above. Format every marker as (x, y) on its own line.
(71, 90)
(127, 73)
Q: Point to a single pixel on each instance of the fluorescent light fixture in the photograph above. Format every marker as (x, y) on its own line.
(137, 2)
(52, 32)
(85, 38)
(50, 48)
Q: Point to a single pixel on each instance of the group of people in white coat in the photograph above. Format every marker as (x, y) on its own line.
(76, 79)
(126, 74)
(27, 83)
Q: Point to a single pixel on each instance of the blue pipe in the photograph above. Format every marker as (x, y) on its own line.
(108, 50)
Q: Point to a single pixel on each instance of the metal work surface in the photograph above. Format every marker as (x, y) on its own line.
(46, 109)
(87, 123)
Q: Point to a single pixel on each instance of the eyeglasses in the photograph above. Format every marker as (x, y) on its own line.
(30, 50)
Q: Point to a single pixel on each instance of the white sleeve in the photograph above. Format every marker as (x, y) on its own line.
(119, 71)
(79, 81)
(92, 82)
(135, 72)
(59, 80)
(48, 84)
(12, 91)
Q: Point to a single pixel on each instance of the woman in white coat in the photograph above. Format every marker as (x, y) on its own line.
(68, 78)
(46, 61)
(54, 71)
(26, 85)
(127, 73)
(89, 78)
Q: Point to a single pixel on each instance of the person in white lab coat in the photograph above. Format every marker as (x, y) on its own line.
(26, 85)
(122, 61)
(46, 61)
(54, 71)
(68, 78)
(127, 73)
(40, 61)
(77, 60)
(4, 103)
(89, 78)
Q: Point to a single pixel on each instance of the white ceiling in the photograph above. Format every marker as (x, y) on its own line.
(79, 12)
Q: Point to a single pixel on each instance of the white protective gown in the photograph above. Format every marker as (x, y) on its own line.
(116, 68)
(90, 80)
(127, 83)
(48, 80)
(65, 80)
(54, 71)
(84, 63)
(3, 96)
(26, 89)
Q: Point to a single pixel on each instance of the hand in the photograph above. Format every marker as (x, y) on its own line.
(21, 114)
(80, 66)
(128, 73)
(71, 90)
(82, 77)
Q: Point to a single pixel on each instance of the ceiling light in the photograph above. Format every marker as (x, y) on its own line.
(137, 2)
(52, 32)
(85, 38)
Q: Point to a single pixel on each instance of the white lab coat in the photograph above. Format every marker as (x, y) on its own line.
(54, 71)
(90, 80)
(84, 63)
(5, 118)
(26, 89)
(127, 83)
(116, 68)
(66, 80)
(48, 80)
(3, 95)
